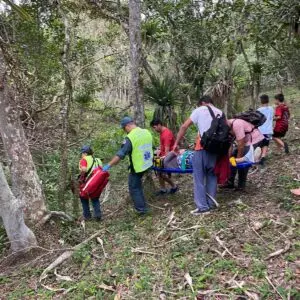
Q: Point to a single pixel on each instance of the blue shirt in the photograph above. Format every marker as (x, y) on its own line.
(267, 127)
(126, 149)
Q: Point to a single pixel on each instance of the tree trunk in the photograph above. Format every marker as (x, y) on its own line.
(253, 102)
(64, 114)
(136, 61)
(26, 185)
(19, 235)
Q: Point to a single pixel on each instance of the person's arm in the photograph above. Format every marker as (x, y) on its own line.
(115, 160)
(83, 166)
(240, 147)
(167, 149)
(278, 114)
(125, 150)
(183, 129)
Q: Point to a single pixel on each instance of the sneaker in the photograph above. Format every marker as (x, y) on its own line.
(227, 186)
(161, 192)
(198, 212)
(173, 190)
(240, 189)
(98, 219)
(286, 148)
(213, 207)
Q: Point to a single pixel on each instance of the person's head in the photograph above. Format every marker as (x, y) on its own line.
(157, 125)
(86, 150)
(127, 124)
(279, 98)
(204, 100)
(264, 99)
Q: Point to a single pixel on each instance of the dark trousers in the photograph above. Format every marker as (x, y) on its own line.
(242, 178)
(86, 208)
(136, 191)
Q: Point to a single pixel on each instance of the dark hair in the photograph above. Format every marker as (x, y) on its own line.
(279, 97)
(156, 122)
(90, 152)
(206, 99)
(264, 99)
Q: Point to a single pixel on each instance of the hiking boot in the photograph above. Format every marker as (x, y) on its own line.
(240, 189)
(98, 219)
(262, 161)
(286, 148)
(227, 186)
(161, 192)
(198, 212)
(173, 190)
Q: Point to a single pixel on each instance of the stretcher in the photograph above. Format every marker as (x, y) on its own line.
(242, 165)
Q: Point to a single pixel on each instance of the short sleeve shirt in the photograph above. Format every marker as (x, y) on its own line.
(267, 127)
(202, 119)
(167, 139)
(242, 129)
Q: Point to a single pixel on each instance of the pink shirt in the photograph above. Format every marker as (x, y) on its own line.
(241, 129)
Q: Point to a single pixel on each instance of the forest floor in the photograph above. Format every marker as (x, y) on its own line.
(247, 249)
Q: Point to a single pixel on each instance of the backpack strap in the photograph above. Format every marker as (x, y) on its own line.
(211, 111)
(91, 167)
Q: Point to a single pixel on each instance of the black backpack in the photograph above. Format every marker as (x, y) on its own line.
(256, 118)
(217, 138)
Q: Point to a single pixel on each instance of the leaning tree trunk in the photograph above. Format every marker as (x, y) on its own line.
(11, 212)
(26, 185)
(136, 61)
(64, 114)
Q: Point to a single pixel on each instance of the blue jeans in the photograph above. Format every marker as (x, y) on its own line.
(136, 191)
(86, 208)
(205, 180)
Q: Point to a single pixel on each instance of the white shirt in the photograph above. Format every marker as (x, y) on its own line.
(267, 127)
(202, 119)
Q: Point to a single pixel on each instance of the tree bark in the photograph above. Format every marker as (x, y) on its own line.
(64, 113)
(11, 211)
(136, 60)
(253, 102)
(26, 185)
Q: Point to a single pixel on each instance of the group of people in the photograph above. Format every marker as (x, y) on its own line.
(138, 146)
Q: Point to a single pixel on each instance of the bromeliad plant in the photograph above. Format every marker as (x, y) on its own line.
(162, 92)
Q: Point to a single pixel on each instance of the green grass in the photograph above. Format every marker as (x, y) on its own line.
(176, 249)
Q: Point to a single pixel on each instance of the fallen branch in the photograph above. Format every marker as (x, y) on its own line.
(240, 285)
(273, 286)
(62, 277)
(66, 255)
(221, 243)
(171, 241)
(100, 241)
(280, 251)
(137, 250)
(253, 229)
(59, 214)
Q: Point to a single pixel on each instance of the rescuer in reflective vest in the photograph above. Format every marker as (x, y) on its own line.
(138, 146)
(86, 166)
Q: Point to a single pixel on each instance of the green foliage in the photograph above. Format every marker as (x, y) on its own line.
(161, 91)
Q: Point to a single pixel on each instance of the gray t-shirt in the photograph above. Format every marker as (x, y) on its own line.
(202, 118)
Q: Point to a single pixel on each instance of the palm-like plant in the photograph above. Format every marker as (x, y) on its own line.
(162, 92)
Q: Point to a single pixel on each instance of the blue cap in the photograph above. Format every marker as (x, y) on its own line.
(85, 149)
(125, 121)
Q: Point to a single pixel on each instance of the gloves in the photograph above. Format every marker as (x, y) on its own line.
(232, 161)
(106, 168)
